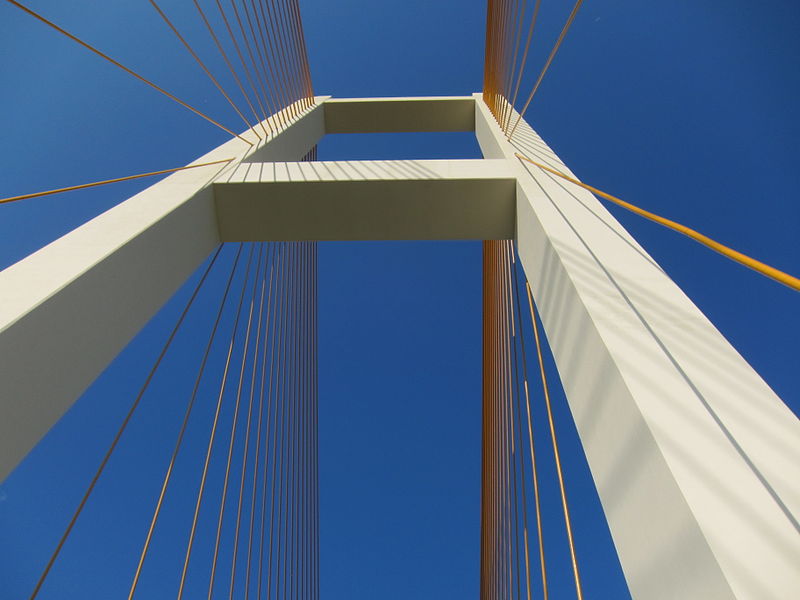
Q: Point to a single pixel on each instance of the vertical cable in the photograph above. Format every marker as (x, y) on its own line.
(213, 432)
(265, 346)
(246, 446)
(274, 106)
(550, 58)
(556, 455)
(224, 493)
(261, 52)
(274, 401)
(523, 62)
(126, 69)
(279, 425)
(202, 65)
(168, 474)
(221, 49)
(124, 424)
(261, 96)
(534, 471)
(280, 74)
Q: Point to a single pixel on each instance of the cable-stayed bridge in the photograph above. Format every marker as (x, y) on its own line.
(642, 399)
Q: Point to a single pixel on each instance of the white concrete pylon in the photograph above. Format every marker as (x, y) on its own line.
(696, 460)
(68, 309)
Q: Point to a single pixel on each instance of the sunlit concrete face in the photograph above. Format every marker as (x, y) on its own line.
(696, 461)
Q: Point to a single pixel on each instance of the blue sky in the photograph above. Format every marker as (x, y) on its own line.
(685, 109)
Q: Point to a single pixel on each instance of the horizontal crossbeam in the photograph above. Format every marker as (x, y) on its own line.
(68, 309)
(694, 457)
(368, 200)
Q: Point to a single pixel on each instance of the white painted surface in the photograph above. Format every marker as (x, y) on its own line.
(696, 460)
(68, 309)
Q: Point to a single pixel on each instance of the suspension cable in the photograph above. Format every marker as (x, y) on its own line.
(202, 65)
(107, 181)
(179, 441)
(556, 454)
(550, 58)
(126, 69)
(215, 421)
(758, 266)
(235, 75)
(124, 425)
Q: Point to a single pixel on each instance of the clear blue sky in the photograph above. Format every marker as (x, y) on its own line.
(684, 109)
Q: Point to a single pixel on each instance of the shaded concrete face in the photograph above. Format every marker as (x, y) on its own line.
(395, 115)
(368, 200)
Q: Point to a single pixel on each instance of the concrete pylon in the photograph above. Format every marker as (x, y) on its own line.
(696, 460)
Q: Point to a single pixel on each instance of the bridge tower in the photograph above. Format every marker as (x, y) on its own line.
(694, 457)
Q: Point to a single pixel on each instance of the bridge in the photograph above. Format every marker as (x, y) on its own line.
(651, 384)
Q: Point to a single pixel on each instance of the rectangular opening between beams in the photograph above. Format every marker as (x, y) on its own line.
(426, 145)
(387, 115)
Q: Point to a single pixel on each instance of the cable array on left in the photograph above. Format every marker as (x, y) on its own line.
(255, 519)
(275, 67)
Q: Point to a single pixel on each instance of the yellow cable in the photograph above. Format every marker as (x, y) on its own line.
(117, 180)
(202, 65)
(550, 58)
(764, 269)
(556, 454)
(126, 69)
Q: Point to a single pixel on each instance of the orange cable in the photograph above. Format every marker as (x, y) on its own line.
(123, 426)
(279, 52)
(202, 65)
(249, 420)
(280, 55)
(266, 319)
(126, 69)
(296, 52)
(561, 36)
(534, 470)
(263, 56)
(262, 81)
(524, 61)
(224, 55)
(758, 266)
(510, 55)
(231, 443)
(117, 180)
(556, 455)
(260, 96)
(276, 333)
(213, 432)
(516, 362)
(304, 49)
(518, 10)
(280, 399)
(179, 441)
